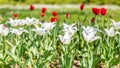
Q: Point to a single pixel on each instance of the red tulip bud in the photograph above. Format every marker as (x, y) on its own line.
(68, 15)
(53, 20)
(42, 14)
(81, 6)
(96, 11)
(103, 11)
(32, 7)
(55, 13)
(44, 10)
(93, 20)
(15, 15)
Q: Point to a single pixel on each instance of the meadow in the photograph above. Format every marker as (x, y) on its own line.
(59, 38)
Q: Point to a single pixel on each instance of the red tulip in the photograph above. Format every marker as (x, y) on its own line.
(93, 20)
(44, 10)
(55, 13)
(68, 15)
(56, 18)
(53, 19)
(96, 11)
(42, 14)
(32, 7)
(81, 6)
(103, 11)
(15, 15)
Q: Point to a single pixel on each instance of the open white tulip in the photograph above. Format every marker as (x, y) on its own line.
(90, 37)
(90, 29)
(71, 29)
(41, 31)
(47, 26)
(66, 39)
(116, 25)
(4, 32)
(31, 21)
(44, 29)
(111, 32)
(18, 31)
(16, 22)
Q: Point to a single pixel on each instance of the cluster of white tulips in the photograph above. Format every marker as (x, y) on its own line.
(20, 22)
(4, 31)
(42, 37)
(69, 32)
(44, 29)
(89, 32)
(115, 26)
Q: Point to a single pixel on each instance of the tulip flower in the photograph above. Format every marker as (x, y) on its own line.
(18, 31)
(31, 21)
(89, 33)
(47, 26)
(55, 13)
(96, 11)
(15, 15)
(44, 10)
(90, 29)
(93, 20)
(69, 32)
(90, 37)
(53, 20)
(111, 32)
(16, 22)
(81, 6)
(32, 7)
(116, 25)
(71, 29)
(4, 31)
(44, 29)
(66, 39)
(56, 18)
(68, 15)
(42, 14)
(41, 31)
(103, 11)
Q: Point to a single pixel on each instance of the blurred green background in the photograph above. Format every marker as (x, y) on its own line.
(100, 2)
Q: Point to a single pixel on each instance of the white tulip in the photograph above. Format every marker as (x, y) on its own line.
(90, 37)
(66, 39)
(44, 29)
(4, 32)
(116, 25)
(18, 31)
(16, 22)
(31, 21)
(41, 31)
(90, 29)
(111, 32)
(71, 29)
(47, 26)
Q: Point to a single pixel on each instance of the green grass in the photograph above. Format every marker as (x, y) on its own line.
(75, 14)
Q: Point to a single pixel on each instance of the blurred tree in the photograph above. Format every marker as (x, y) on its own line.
(16, 0)
(88, 1)
(23, 0)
